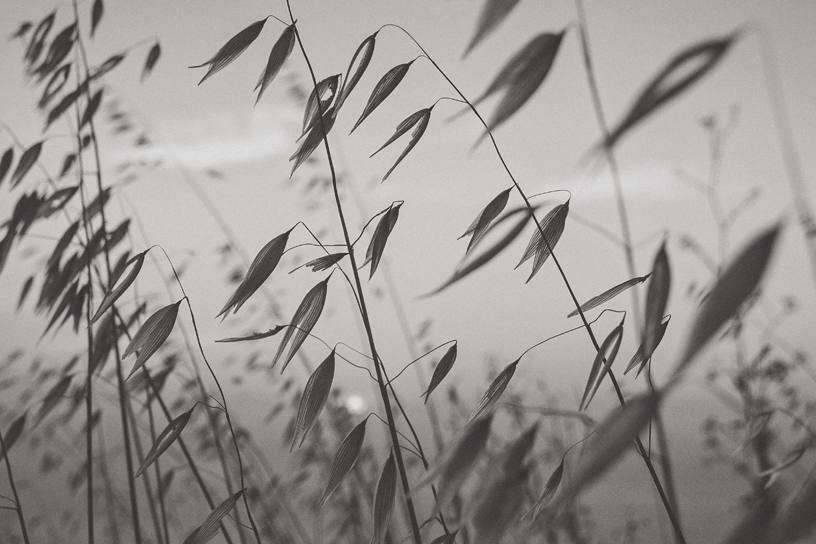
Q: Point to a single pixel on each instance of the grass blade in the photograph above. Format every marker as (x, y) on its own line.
(165, 439)
(530, 67)
(254, 335)
(313, 399)
(553, 227)
(27, 160)
(344, 459)
(493, 13)
(152, 334)
(384, 500)
(38, 37)
(151, 60)
(682, 71)
(313, 139)
(384, 87)
(327, 86)
(365, 51)
(323, 263)
(419, 130)
(14, 432)
(280, 52)
(608, 295)
(55, 84)
(498, 505)
(551, 486)
(116, 292)
(638, 358)
(479, 226)
(403, 127)
(495, 390)
(377, 245)
(733, 287)
(262, 266)
(232, 49)
(657, 297)
(5, 163)
(207, 530)
(96, 15)
(477, 262)
(442, 368)
(458, 459)
(302, 322)
(53, 397)
(614, 435)
(603, 362)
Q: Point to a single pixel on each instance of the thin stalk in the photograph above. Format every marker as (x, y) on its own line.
(363, 310)
(226, 413)
(186, 452)
(407, 335)
(134, 507)
(641, 450)
(270, 473)
(89, 506)
(157, 467)
(211, 417)
(793, 165)
(662, 439)
(420, 451)
(223, 398)
(17, 505)
(137, 442)
(180, 440)
(113, 527)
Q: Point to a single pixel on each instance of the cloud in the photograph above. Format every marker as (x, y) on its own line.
(652, 182)
(225, 138)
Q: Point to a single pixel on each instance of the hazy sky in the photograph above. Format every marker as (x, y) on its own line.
(444, 184)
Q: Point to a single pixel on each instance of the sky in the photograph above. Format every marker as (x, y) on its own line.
(237, 153)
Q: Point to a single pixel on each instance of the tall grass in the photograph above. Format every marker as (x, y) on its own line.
(499, 469)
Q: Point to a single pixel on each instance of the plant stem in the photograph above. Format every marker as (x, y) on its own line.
(665, 458)
(226, 412)
(156, 466)
(793, 165)
(186, 452)
(17, 506)
(363, 310)
(180, 440)
(587, 327)
(137, 442)
(119, 375)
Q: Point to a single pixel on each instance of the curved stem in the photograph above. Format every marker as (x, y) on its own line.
(223, 398)
(134, 505)
(363, 310)
(639, 444)
(662, 439)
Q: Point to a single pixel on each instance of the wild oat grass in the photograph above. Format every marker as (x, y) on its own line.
(182, 450)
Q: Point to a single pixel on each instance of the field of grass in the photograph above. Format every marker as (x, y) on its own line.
(408, 330)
